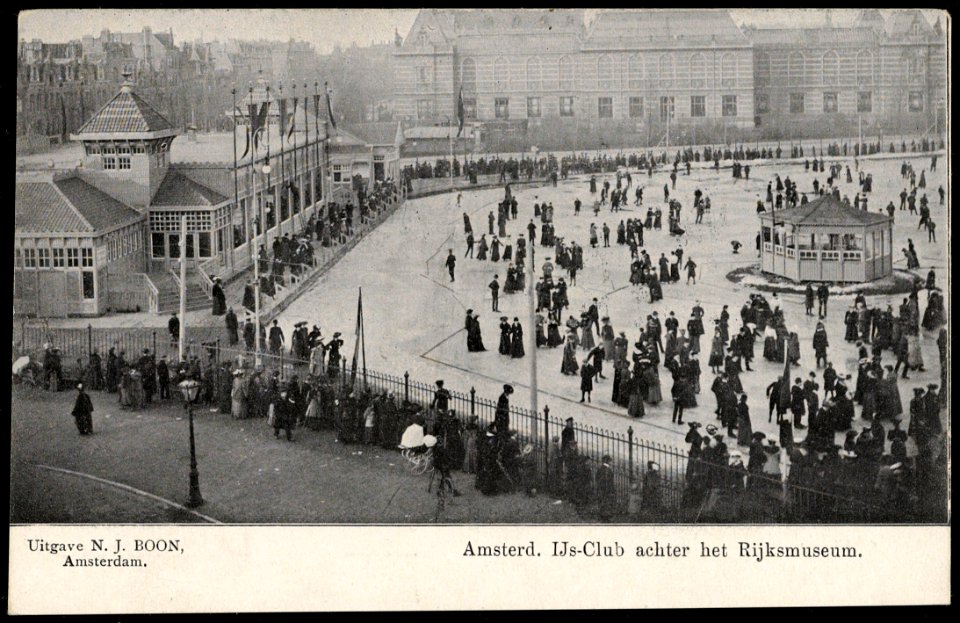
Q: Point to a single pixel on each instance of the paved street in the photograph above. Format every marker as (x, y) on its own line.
(246, 476)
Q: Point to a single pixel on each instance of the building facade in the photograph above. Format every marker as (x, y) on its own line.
(668, 76)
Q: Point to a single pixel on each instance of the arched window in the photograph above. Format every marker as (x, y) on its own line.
(762, 67)
(534, 74)
(501, 74)
(567, 76)
(795, 69)
(728, 70)
(468, 75)
(831, 68)
(605, 73)
(666, 70)
(635, 72)
(698, 71)
(864, 67)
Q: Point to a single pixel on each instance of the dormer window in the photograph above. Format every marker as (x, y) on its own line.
(422, 39)
(915, 29)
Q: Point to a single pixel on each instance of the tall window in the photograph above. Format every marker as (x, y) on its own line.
(635, 72)
(29, 258)
(501, 108)
(424, 109)
(73, 258)
(916, 101)
(796, 103)
(501, 74)
(533, 106)
(698, 106)
(605, 107)
(865, 101)
(698, 70)
(109, 158)
(566, 73)
(864, 67)
(534, 75)
(566, 106)
(829, 102)
(43, 258)
(468, 75)
(667, 110)
(666, 70)
(795, 69)
(58, 258)
(156, 243)
(470, 107)
(831, 68)
(123, 158)
(728, 70)
(762, 103)
(605, 72)
(423, 76)
(729, 106)
(88, 290)
(636, 107)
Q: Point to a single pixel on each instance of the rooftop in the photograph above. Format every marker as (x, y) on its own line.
(177, 189)
(126, 113)
(664, 26)
(68, 204)
(827, 210)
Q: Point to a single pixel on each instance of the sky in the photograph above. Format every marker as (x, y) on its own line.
(324, 28)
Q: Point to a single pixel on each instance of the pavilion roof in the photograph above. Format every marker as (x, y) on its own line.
(830, 211)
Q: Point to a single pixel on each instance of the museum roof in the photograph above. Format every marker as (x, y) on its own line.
(665, 26)
(67, 205)
(827, 211)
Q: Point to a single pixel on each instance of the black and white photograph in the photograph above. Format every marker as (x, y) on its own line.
(480, 267)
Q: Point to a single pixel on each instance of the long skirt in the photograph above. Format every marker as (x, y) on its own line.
(770, 349)
(608, 350)
(553, 336)
(654, 396)
(914, 356)
(635, 406)
(744, 430)
(587, 342)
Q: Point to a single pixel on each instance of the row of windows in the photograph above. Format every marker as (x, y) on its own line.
(52, 258)
(864, 102)
(168, 245)
(501, 107)
(828, 65)
(663, 71)
(121, 244)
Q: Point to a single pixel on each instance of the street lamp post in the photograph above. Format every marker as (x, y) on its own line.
(190, 388)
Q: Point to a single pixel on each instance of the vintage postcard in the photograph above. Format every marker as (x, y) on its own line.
(651, 294)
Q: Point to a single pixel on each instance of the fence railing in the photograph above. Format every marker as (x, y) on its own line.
(677, 488)
(153, 295)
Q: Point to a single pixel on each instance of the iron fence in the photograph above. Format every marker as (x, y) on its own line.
(676, 488)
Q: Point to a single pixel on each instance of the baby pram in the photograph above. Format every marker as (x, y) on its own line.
(26, 371)
(417, 448)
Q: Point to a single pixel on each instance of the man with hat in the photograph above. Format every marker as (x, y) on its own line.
(501, 418)
(495, 292)
(83, 411)
(333, 355)
(606, 491)
(230, 320)
(276, 339)
(148, 369)
(451, 263)
(284, 413)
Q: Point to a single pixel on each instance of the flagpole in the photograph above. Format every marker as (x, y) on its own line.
(183, 288)
(450, 138)
(253, 240)
(294, 202)
(252, 203)
(532, 334)
(236, 181)
(321, 166)
(268, 183)
(283, 194)
(363, 339)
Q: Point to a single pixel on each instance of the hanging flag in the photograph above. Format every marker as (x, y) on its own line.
(333, 121)
(261, 125)
(282, 103)
(460, 114)
(246, 149)
(293, 121)
(253, 125)
(783, 400)
(356, 348)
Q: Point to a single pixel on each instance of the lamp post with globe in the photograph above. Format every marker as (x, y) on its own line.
(190, 388)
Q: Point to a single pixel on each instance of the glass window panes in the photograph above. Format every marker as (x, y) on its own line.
(43, 258)
(88, 290)
(762, 103)
(203, 243)
(566, 106)
(533, 106)
(916, 101)
(29, 258)
(829, 102)
(605, 107)
(73, 258)
(636, 107)
(156, 243)
(86, 257)
(865, 101)
(501, 108)
(698, 106)
(58, 259)
(796, 103)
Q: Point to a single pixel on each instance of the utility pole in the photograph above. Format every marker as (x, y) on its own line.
(532, 344)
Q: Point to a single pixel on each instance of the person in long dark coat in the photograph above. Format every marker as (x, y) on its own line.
(219, 299)
(606, 491)
(487, 470)
(249, 297)
(83, 412)
(233, 326)
(113, 373)
(850, 320)
(586, 380)
(94, 376)
(516, 336)
(505, 335)
(656, 292)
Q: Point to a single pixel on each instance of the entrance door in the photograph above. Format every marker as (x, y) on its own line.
(378, 173)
